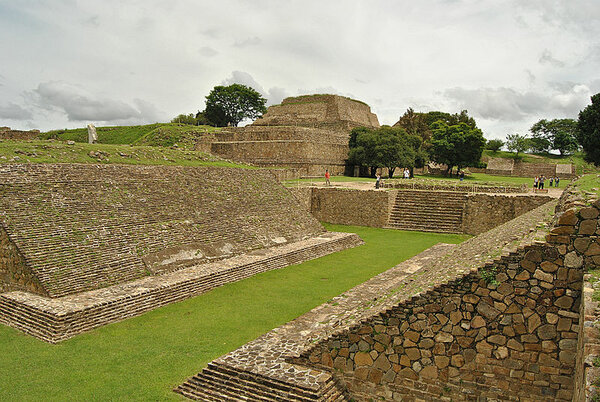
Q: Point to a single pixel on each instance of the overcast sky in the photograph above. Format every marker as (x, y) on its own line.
(66, 63)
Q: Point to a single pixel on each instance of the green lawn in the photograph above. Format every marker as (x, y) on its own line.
(143, 358)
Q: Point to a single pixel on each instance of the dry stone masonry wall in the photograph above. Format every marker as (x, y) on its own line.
(302, 353)
(507, 331)
(7, 134)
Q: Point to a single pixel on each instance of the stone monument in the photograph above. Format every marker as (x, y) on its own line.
(92, 136)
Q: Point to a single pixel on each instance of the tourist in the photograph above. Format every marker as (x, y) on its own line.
(377, 181)
(535, 182)
(556, 179)
(406, 173)
(461, 175)
(541, 182)
(551, 180)
(327, 182)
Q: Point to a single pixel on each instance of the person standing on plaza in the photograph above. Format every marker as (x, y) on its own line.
(535, 182)
(377, 180)
(327, 182)
(541, 182)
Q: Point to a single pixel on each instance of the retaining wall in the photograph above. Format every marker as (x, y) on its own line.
(484, 211)
(7, 134)
(481, 212)
(347, 207)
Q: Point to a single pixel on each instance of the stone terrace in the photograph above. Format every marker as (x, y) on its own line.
(277, 365)
(57, 319)
(84, 227)
(86, 245)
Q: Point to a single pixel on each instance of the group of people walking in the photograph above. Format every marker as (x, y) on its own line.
(538, 181)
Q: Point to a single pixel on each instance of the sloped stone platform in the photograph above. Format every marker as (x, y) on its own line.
(69, 228)
(276, 366)
(57, 319)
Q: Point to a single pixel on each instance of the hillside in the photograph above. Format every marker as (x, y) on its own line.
(576, 159)
(52, 151)
(157, 134)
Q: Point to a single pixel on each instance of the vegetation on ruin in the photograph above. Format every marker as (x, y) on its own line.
(144, 357)
(229, 105)
(576, 159)
(590, 183)
(61, 152)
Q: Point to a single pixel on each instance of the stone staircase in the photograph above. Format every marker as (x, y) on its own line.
(428, 211)
(220, 382)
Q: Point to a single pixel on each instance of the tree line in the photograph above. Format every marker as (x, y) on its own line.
(417, 138)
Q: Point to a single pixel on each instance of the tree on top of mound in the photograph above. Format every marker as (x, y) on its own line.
(228, 105)
(458, 145)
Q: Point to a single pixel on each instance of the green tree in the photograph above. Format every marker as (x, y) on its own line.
(228, 105)
(559, 134)
(494, 145)
(458, 145)
(588, 133)
(386, 146)
(197, 119)
(517, 143)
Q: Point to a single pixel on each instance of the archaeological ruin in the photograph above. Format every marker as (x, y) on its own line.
(87, 245)
(499, 316)
(506, 315)
(307, 134)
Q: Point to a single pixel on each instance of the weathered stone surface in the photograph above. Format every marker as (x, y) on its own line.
(573, 260)
(547, 331)
(363, 359)
(487, 311)
(587, 227)
(588, 213)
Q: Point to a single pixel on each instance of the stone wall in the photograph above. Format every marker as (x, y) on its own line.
(83, 227)
(588, 347)
(509, 167)
(14, 274)
(332, 112)
(483, 212)
(348, 207)
(307, 151)
(7, 134)
(508, 330)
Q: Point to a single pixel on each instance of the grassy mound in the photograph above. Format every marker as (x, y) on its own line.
(144, 357)
(61, 152)
(157, 134)
(167, 135)
(576, 159)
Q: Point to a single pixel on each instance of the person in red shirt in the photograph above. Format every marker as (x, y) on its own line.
(327, 182)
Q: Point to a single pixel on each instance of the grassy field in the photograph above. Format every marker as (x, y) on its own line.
(61, 152)
(143, 358)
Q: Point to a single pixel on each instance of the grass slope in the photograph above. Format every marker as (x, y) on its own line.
(157, 134)
(576, 159)
(61, 152)
(143, 358)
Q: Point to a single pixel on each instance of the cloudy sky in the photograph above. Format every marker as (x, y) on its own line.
(66, 63)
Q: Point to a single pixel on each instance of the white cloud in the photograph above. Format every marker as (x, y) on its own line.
(12, 111)
(80, 105)
(506, 62)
